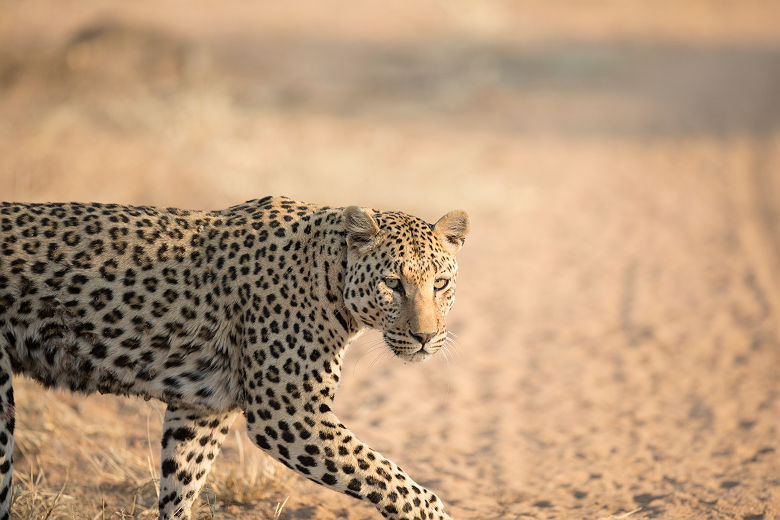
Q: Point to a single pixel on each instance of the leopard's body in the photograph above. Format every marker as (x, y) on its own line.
(247, 310)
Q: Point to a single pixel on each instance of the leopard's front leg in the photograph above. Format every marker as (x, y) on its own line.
(190, 443)
(311, 440)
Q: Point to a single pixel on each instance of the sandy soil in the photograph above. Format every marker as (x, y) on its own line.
(618, 349)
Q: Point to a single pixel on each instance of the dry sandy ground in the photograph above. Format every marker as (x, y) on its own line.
(618, 298)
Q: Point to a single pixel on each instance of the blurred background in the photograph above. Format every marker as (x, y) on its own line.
(618, 298)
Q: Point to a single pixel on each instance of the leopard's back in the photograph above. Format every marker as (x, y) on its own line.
(119, 299)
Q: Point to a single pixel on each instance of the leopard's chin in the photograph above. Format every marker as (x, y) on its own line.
(413, 357)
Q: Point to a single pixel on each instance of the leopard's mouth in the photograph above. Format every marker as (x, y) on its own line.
(410, 351)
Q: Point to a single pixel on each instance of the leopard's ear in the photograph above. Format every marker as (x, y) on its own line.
(362, 230)
(452, 229)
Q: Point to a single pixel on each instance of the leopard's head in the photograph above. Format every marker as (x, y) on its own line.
(401, 274)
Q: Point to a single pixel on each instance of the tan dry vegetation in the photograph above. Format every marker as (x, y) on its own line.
(618, 300)
(113, 473)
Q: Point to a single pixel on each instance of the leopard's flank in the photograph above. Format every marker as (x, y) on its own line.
(248, 309)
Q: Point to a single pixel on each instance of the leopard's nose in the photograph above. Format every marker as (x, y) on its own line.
(422, 337)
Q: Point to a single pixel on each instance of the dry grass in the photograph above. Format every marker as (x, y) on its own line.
(31, 498)
(254, 479)
(70, 465)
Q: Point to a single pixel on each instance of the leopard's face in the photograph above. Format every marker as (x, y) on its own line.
(414, 298)
(401, 277)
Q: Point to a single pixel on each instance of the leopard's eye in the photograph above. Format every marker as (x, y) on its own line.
(393, 283)
(441, 283)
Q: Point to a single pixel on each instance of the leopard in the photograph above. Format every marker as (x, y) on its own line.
(248, 309)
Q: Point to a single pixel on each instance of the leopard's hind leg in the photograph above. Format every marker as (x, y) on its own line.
(7, 422)
(191, 441)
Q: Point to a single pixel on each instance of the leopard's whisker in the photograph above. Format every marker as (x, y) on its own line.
(444, 352)
(454, 348)
(381, 357)
(375, 346)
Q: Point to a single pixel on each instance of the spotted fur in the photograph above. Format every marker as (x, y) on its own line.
(247, 309)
